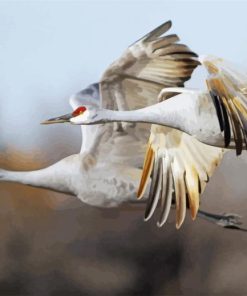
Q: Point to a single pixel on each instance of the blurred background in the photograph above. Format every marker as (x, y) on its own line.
(52, 244)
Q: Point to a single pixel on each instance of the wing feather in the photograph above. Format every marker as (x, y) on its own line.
(180, 192)
(166, 191)
(174, 49)
(181, 165)
(164, 41)
(160, 30)
(155, 60)
(147, 170)
(192, 185)
(154, 193)
(227, 88)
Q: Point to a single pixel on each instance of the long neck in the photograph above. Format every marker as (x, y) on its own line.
(52, 177)
(151, 114)
(194, 115)
(44, 178)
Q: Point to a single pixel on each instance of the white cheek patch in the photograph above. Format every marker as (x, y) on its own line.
(83, 118)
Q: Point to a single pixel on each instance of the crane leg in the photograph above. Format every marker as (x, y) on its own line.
(227, 220)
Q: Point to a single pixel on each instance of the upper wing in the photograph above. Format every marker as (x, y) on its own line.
(179, 164)
(150, 64)
(135, 81)
(228, 89)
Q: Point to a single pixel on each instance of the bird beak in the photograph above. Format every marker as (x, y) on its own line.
(60, 119)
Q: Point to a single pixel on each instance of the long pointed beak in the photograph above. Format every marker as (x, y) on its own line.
(60, 119)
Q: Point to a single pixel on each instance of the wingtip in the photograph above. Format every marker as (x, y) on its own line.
(158, 31)
(193, 213)
(178, 225)
(194, 206)
(169, 22)
(159, 225)
(166, 24)
(179, 218)
(140, 193)
(146, 219)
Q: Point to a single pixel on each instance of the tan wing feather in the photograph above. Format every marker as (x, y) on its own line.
(153, 62)
(178, 172)
(189, 163)
(192, 185)
(146, 172)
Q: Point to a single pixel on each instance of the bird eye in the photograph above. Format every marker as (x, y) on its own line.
(79, 111)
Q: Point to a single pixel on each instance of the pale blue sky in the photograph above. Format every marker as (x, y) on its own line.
(50, 50)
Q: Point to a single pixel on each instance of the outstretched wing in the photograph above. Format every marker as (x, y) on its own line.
(134, 81)
(228, 89)
(182, 163)
(137, 77)
(180, 167)
(150, 64)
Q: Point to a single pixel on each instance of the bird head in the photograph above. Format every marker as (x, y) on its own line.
(81, 115)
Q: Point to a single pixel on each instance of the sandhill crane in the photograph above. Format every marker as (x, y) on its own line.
(108, 168)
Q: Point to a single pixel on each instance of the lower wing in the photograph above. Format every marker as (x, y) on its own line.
(179, 166)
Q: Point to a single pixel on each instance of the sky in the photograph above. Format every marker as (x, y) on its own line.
(52, 49)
